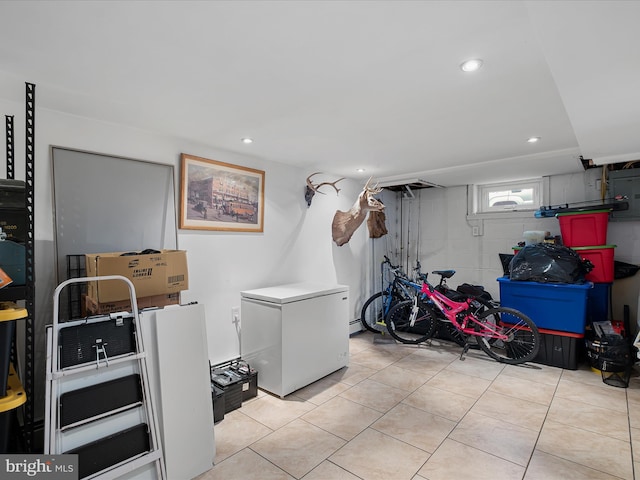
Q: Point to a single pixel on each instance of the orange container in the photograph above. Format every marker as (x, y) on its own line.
(581, 229)
(602, 259)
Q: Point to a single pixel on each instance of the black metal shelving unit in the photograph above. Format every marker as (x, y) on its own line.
(9, 134)
(26, 292)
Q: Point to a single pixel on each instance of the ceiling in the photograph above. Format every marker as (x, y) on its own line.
(335, 86)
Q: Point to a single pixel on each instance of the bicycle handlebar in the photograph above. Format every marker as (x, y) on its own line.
(397, 269)
(391, 265)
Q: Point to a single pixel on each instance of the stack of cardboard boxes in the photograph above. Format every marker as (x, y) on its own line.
(158, 278)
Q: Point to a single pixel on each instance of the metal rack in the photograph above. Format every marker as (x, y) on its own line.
(26, 292)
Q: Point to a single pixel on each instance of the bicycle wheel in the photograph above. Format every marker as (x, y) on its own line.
(374, 311)
(410, 323)
(446, 331)
(523, 339)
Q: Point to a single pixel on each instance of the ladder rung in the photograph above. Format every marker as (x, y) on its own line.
(92, 366)
(127, 466)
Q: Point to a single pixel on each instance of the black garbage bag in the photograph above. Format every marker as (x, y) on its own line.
(624, 270)
(549, 263)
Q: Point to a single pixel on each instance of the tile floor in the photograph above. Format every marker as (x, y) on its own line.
(418, 412)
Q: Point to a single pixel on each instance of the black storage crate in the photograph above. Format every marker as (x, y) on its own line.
(559, 349)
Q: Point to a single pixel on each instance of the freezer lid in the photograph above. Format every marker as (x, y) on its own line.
(293, 292)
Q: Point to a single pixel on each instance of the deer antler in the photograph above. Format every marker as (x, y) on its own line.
(317, 186)
(374, 190)
(333, 184)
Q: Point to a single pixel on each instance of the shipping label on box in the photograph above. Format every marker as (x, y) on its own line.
(151, 274)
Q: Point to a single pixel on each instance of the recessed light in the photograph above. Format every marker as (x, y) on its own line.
(360, 170)
(471, 65)
(247, 140)
(533, 139)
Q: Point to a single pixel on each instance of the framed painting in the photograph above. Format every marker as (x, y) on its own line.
(220, 196)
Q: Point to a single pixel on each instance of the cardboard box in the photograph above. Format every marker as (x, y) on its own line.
(151, 274)
(94, 308)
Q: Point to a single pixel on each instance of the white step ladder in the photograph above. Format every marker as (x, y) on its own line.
(85, 358)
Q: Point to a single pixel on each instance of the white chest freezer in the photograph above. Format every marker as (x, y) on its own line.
(295, 334)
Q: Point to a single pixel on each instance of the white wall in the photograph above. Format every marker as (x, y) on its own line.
(440, 235)
(296, 244)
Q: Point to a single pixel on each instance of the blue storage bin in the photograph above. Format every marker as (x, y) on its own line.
(598, 302)
(553, 306)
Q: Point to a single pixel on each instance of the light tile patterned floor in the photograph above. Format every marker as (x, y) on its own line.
(401, 412)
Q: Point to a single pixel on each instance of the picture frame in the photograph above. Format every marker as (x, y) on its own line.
(220, 196)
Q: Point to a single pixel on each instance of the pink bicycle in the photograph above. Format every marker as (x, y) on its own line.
(505, 334)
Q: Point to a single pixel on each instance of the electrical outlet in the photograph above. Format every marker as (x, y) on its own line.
(475, 231)
(235, 314)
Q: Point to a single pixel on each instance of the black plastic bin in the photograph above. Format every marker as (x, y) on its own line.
(7, 328)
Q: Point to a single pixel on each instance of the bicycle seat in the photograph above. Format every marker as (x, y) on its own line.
(444, 273)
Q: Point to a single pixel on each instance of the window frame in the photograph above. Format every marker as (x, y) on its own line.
(479, 200)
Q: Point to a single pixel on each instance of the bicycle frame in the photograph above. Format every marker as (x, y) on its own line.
(450, 309)
(400, 283)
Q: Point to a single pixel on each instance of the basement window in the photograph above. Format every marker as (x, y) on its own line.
(523, 195)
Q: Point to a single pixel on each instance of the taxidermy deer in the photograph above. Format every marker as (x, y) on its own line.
(346, 223)
(312, 189)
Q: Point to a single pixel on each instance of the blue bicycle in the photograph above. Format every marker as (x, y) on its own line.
(399, 288)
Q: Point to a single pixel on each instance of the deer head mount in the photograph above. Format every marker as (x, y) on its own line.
(311, 188)
(346, 223)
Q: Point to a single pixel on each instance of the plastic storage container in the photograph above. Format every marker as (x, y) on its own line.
(559, 349)
(598, 302)
(602, 259)
(552, 306)
(15, 397)
(581, 229)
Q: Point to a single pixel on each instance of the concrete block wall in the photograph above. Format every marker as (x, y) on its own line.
(437, 229)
